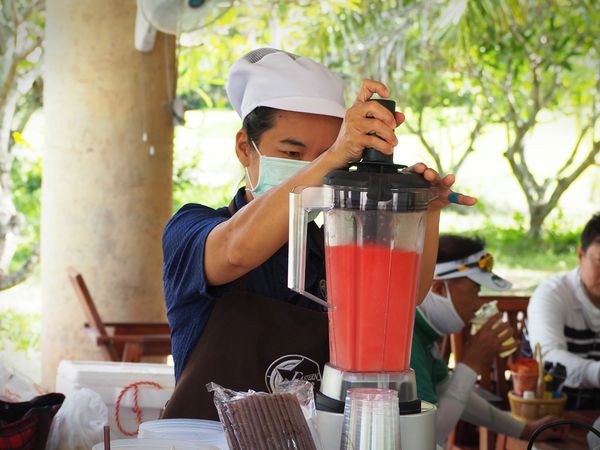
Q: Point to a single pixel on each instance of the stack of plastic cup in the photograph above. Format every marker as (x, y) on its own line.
(371, 419)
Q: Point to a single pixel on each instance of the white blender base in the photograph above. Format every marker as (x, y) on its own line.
(417, 431)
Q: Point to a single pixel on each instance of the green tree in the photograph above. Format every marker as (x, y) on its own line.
(456, 62)
(480, 62)
(531, 56)
(21, 35)
(397, 42)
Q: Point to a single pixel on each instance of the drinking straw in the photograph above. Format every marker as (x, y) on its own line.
(541, 387)
(106, 437)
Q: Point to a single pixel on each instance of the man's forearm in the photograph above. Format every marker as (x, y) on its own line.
(430, 249)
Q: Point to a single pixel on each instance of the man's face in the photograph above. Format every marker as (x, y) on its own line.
(465, 297)
(295, 135)
(589, 269)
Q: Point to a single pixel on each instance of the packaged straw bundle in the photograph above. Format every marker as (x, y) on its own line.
(261, 421)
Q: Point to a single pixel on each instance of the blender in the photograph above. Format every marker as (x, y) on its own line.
(374, 226)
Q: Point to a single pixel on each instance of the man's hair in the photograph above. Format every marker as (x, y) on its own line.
(591, 232)
(452, 247)
(258, 121)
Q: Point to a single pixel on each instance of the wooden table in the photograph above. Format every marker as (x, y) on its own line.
(576, 439)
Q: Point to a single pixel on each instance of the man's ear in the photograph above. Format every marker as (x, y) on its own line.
(580, 254)
(243, 147)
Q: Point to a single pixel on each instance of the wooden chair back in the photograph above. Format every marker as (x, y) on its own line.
(96, 324)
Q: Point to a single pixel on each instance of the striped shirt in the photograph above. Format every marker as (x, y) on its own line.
(583, 342)
(561, 317)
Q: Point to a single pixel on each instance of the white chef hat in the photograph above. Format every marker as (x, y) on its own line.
(282, 80)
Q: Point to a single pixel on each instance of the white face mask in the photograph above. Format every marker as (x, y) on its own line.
(440, 311)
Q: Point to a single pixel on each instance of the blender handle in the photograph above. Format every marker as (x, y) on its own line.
(303, 200)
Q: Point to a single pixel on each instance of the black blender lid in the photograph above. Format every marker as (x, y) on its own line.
(377, 172)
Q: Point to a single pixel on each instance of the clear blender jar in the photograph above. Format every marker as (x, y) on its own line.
(374, 224)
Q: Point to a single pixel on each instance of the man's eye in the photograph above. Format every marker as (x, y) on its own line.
(291, 154)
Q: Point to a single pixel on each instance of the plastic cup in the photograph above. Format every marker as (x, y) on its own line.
(371, 419)
(482, 315)
(524, 381)
(154, 444)
(193, 430)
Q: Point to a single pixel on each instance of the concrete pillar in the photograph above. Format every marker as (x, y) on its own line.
(106, 192)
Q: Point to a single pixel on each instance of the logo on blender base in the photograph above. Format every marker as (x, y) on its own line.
(292, 367)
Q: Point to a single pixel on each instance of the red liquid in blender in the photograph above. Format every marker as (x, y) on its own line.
(373, 290)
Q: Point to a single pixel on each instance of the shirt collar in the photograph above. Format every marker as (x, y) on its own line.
(426, 328)
(239, 201)
(584, 299)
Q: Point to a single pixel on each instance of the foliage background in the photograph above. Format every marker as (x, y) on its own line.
(505, 94)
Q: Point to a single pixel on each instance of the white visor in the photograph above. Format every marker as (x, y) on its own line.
(469, 267)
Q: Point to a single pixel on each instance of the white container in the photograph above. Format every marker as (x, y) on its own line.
(109, 378)
(154, 444)
(193, 430)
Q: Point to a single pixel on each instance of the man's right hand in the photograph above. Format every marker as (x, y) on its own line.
(487, 343)
(366, 124)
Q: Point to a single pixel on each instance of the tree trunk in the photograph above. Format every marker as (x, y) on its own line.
(537, 215)
(10, 219)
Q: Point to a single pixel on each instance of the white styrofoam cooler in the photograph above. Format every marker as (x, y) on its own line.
(109, 378)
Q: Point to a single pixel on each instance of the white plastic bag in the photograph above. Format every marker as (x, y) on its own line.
(15, 386)
(79, 424)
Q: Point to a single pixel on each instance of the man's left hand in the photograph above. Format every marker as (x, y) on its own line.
(443, 184)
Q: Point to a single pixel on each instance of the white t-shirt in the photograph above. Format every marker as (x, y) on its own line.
(561, 317)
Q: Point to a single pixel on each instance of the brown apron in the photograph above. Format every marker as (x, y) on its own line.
(250, 342)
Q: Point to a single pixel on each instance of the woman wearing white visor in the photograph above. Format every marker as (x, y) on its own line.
(463, 266)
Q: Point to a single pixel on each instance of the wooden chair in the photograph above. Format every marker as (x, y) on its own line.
(129, 341)
(514, 310)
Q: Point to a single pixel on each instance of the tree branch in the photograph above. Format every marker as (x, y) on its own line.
(21, 274)
(583, 132)
(419, 132)
(28, 51)
(15, 21)
(32, 104)
(27, 13)
(563, 183)
(517, 34)
(475, 132)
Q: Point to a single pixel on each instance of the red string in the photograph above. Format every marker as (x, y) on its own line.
(135, 408)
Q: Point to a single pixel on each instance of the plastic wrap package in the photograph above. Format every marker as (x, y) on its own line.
(284, 420)
(79, 423)
(15, 386)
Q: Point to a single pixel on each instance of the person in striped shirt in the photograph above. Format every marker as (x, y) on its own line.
(564, 317)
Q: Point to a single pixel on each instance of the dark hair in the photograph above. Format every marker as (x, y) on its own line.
(591, 232)
(258, 121)
(452, 247)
